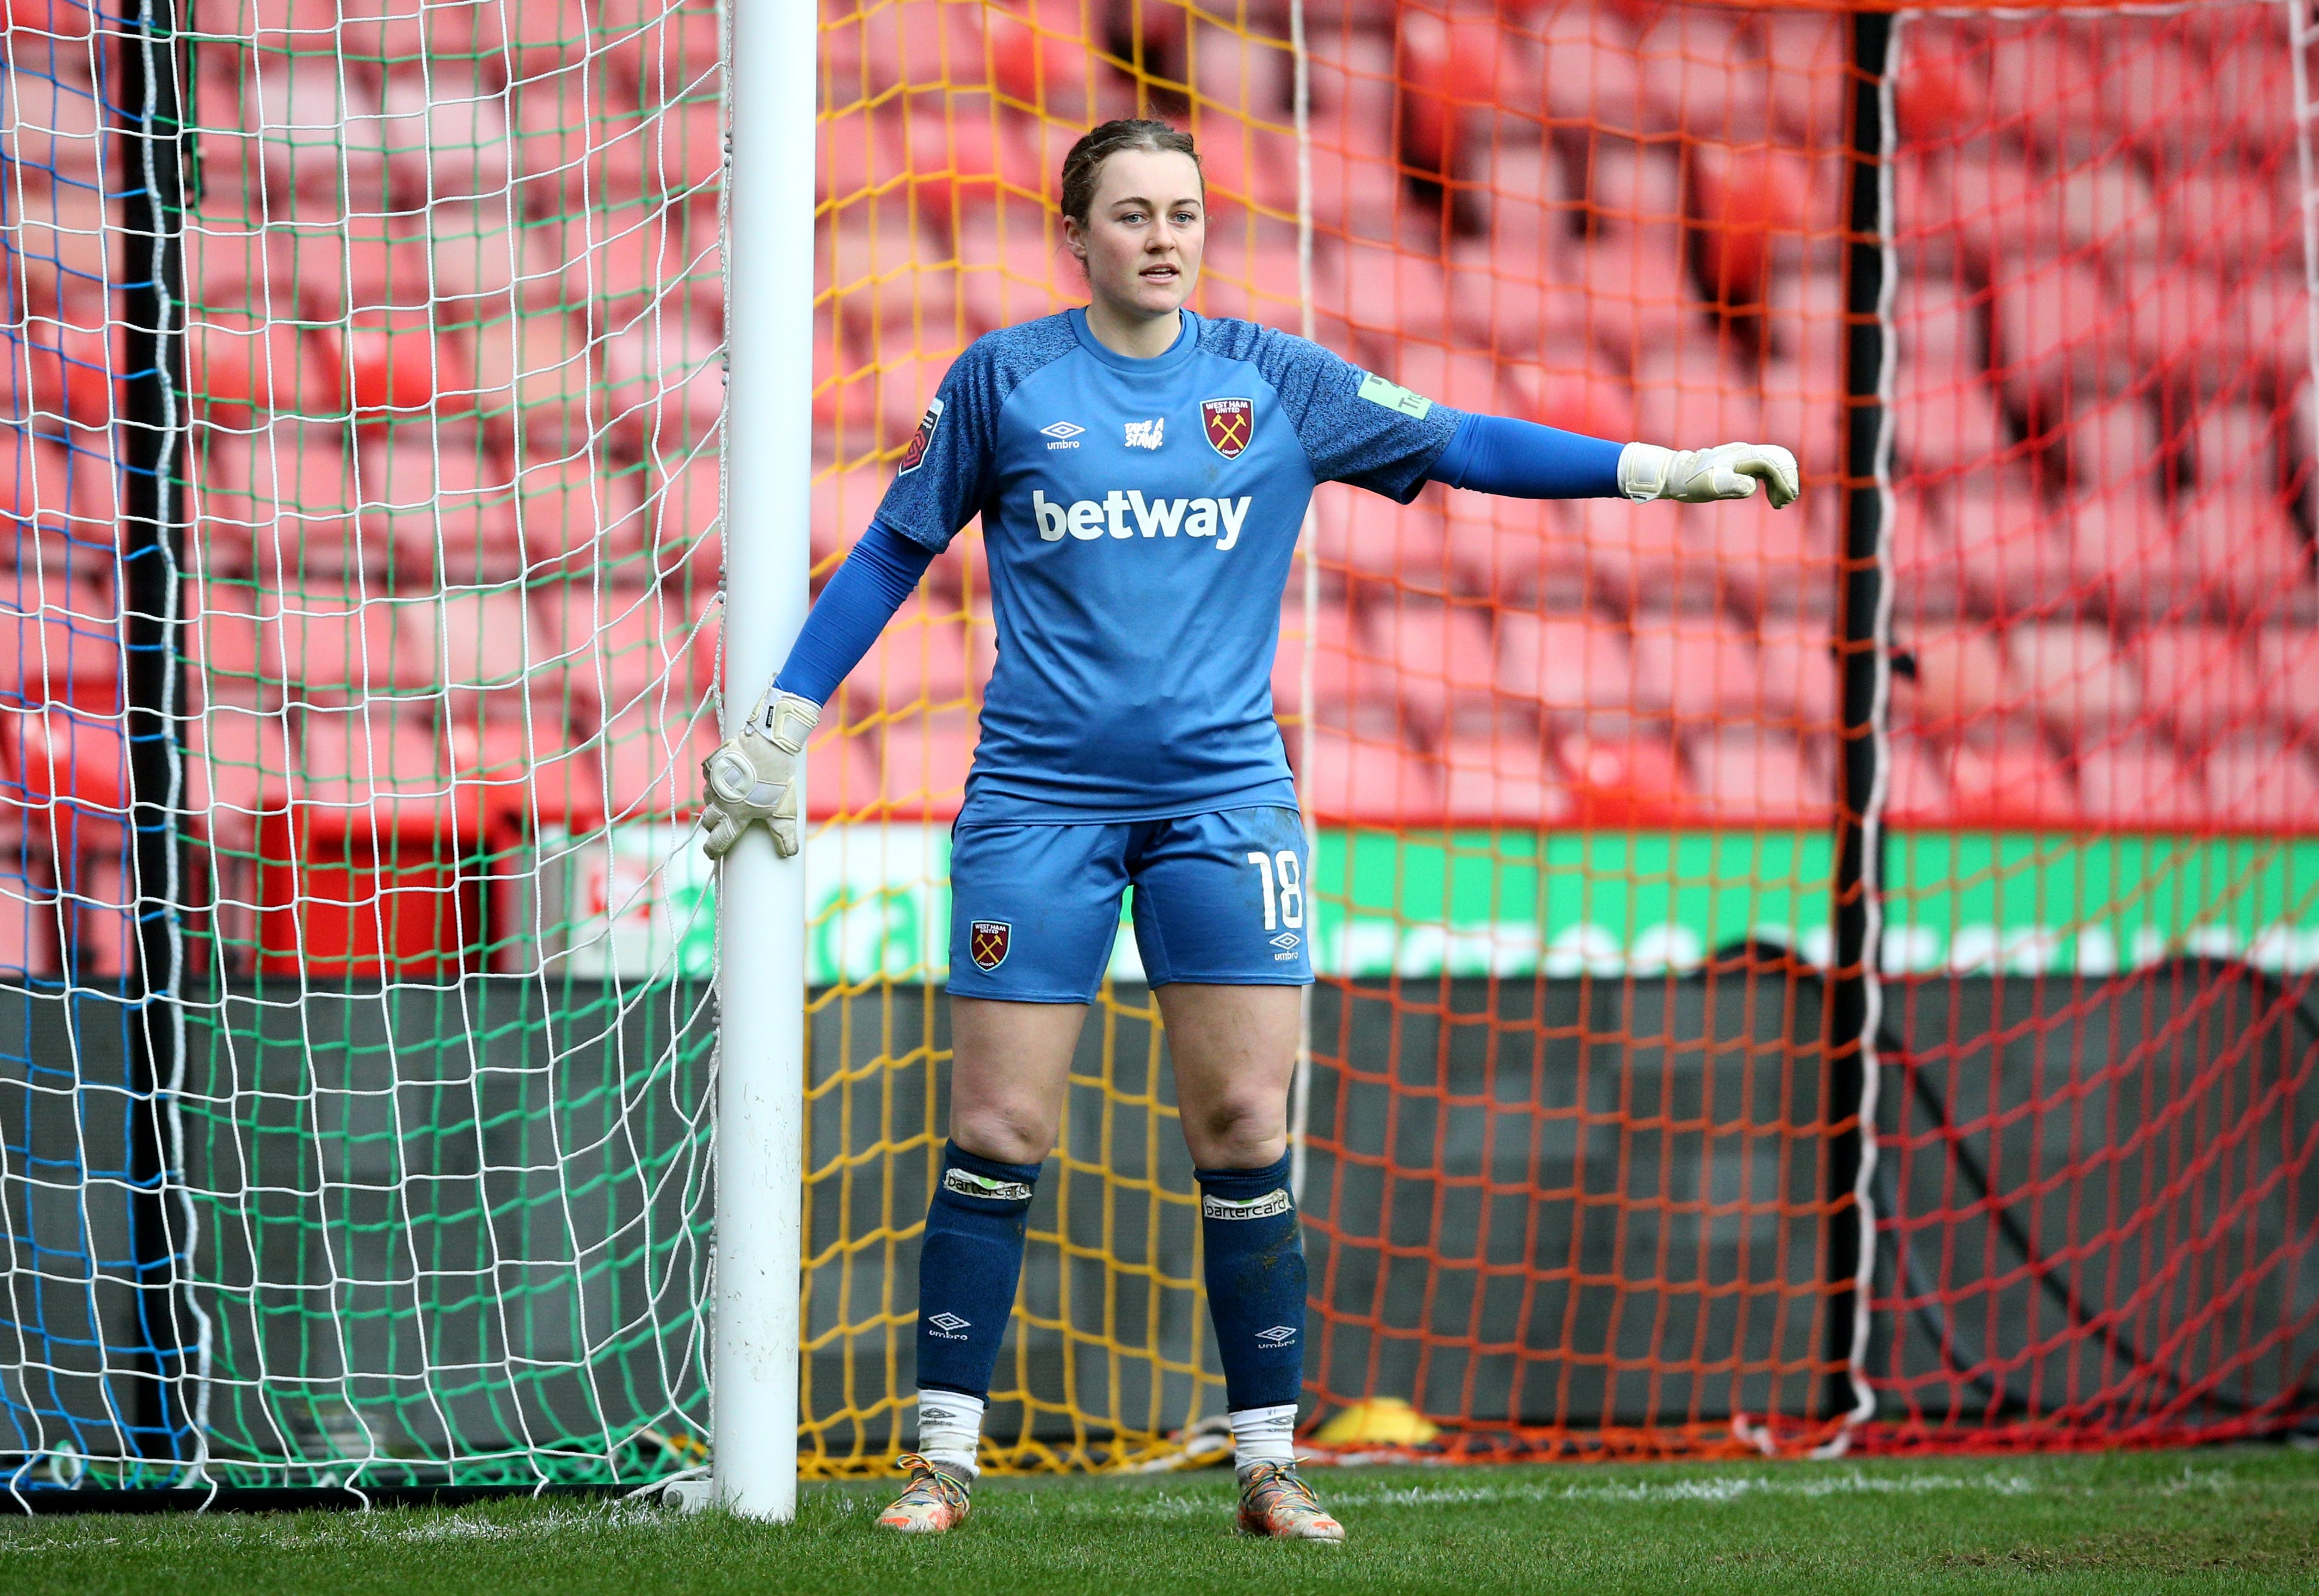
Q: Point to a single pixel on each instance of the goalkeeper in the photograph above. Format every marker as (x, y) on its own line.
(1141, 474)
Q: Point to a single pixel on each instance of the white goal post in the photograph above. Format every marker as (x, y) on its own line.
(771, 88)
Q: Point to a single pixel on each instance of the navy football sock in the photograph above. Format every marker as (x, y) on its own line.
(967, 1264)
(1256, 1282)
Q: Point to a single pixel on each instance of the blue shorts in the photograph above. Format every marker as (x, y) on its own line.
(1220, 899)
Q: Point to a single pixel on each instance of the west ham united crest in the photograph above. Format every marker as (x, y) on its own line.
(919, 445)
(987, 941)
(1229, 423)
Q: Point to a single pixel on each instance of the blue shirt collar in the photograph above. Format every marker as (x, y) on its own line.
(1187, 342)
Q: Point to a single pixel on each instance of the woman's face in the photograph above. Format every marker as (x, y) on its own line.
(1143, 237)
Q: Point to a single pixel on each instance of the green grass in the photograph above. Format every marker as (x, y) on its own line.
(2236, 1519)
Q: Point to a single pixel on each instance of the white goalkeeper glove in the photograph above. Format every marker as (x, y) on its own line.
(1701, 476)
(755, 776)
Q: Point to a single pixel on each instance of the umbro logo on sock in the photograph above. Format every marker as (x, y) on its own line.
(1279, 1335)
(947, 1326)
(968, 1184)
(1268, 1206)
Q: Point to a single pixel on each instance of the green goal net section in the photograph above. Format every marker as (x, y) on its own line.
(1790, 981)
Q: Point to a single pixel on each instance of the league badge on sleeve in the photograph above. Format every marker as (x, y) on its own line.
(916, 454)
(1229, 422)
(986, 941)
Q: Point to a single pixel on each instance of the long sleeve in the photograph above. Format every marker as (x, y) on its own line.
(1522, 460)
(882, 571)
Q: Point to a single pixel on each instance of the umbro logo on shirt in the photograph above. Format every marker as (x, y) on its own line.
(1063, 435)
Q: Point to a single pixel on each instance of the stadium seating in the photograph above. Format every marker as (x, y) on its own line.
(2103, 583)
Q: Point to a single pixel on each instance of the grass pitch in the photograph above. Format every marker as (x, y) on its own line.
(2234, 1520)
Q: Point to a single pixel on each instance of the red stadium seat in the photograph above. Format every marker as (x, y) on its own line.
(1621, 774)
(1957, 678)
(280, 505)
(2230, 216)
(1508, 779)
(2110, 443)
(919, 663)
(652, 758)
(1362, 537)
(1692, 667)
(526, 768)
(2139, 782)
(1568, 665)
(2234, 446)
(2070, 677)
(2012, 549)
(2123, 555)
(2287, 659)
(478, 644)
(1438, 658)
(1797, 672)
(884, 278)
(2005, 774)
(923, 763)
(2054, 332)
(66, 651)
(1356, 779)
(2175, 313)
(2261, 783)
(1013, 267)
(436, 504)
(841, 776)
(235, 760)
(842, 504)
(358, 876)
(336, 648)
(567, 514)
(1380, 290)
(633, 646)
(1524, 552)
(1332, 654)
(1918, 790)
(1687, 392)
(1747, 776)
(2246, 553)
(2200, 680)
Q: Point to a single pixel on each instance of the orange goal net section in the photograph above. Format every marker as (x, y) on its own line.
(1596, 1155)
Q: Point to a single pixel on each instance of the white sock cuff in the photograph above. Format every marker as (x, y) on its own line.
(950, 1429)
(1263, 1435)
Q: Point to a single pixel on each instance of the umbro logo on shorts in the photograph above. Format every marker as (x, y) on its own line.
(987, 941)
(1270, 1205)
(966, 1183)
(1279, 1335)
(1063, 435)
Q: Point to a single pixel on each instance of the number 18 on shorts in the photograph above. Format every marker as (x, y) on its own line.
(1220, 899)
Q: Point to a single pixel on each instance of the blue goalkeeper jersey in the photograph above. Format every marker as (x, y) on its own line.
(1139, 516)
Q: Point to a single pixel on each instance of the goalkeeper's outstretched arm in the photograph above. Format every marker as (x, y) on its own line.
(1522, 460)
(754, 776)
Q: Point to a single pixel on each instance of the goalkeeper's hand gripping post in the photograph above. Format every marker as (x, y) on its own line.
(1702, 476)
(755, 776)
